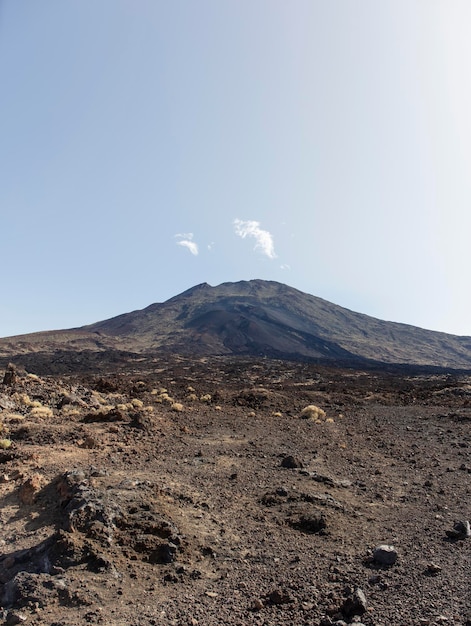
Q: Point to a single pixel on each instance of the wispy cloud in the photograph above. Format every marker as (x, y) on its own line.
(264, 239)
(186, 240)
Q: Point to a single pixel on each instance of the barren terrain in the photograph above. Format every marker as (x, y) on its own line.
(193, 491)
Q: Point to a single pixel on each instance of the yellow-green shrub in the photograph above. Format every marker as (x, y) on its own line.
(41, 411)
(313, 412)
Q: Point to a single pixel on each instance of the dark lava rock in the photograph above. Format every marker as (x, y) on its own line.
(354, 605)
(311, 523)
(385, 555)
(291, 462)
(461, 530)
(278, 596)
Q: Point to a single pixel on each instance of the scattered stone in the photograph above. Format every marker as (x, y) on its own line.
(11, 375)
(28, 491)
(70, 399)
(355, 604)
(331, 482)
(433, 569)
(278, 596)
(385, 555)
(291, 462)
(14, 618)
(313, 523)
(461, 530)
(89, 442)
(257, 605)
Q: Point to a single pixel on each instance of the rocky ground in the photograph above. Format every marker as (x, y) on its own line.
(201, 493)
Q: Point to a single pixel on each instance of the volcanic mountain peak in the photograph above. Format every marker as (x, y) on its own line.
(258, 318)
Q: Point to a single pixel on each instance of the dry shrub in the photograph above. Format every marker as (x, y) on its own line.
(251, 414)
(22, 399)
(206, 397)
(70, 411)
(136, 403)
(177, 406)
(13, 417)
(192, 397)
(5, 444)
(313, 412)
(41, 411)
(277, 414)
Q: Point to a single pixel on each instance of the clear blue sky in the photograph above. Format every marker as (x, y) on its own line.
(147, 146)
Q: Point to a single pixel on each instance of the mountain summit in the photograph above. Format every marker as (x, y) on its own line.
(258, 318)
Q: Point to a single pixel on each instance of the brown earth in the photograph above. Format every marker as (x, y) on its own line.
(193, 492)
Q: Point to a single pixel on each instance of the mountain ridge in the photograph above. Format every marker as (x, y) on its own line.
(258, 318)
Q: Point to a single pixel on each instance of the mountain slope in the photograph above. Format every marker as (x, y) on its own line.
(257, 318)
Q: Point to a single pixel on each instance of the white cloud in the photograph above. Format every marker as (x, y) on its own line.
(186, 240)
(264, 239)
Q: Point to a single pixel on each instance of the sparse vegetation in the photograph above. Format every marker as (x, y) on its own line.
(313, 412)
(41, 411)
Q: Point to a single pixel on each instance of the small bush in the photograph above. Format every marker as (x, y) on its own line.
(41, 411)
(70, 411)
(22, 399)
(313, 412)
(5, 444)
(13, 417)
(206, 397)
(177, 406)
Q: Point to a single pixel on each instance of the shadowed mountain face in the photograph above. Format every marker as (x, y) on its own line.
(259, 318)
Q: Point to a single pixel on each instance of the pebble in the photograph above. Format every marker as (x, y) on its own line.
(29, 489)
(14, 618)
(461, 530)
(433, 569)
(385, 555)
(257, 605)
(355, 604)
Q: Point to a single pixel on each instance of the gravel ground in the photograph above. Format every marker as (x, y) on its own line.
(193, 492)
